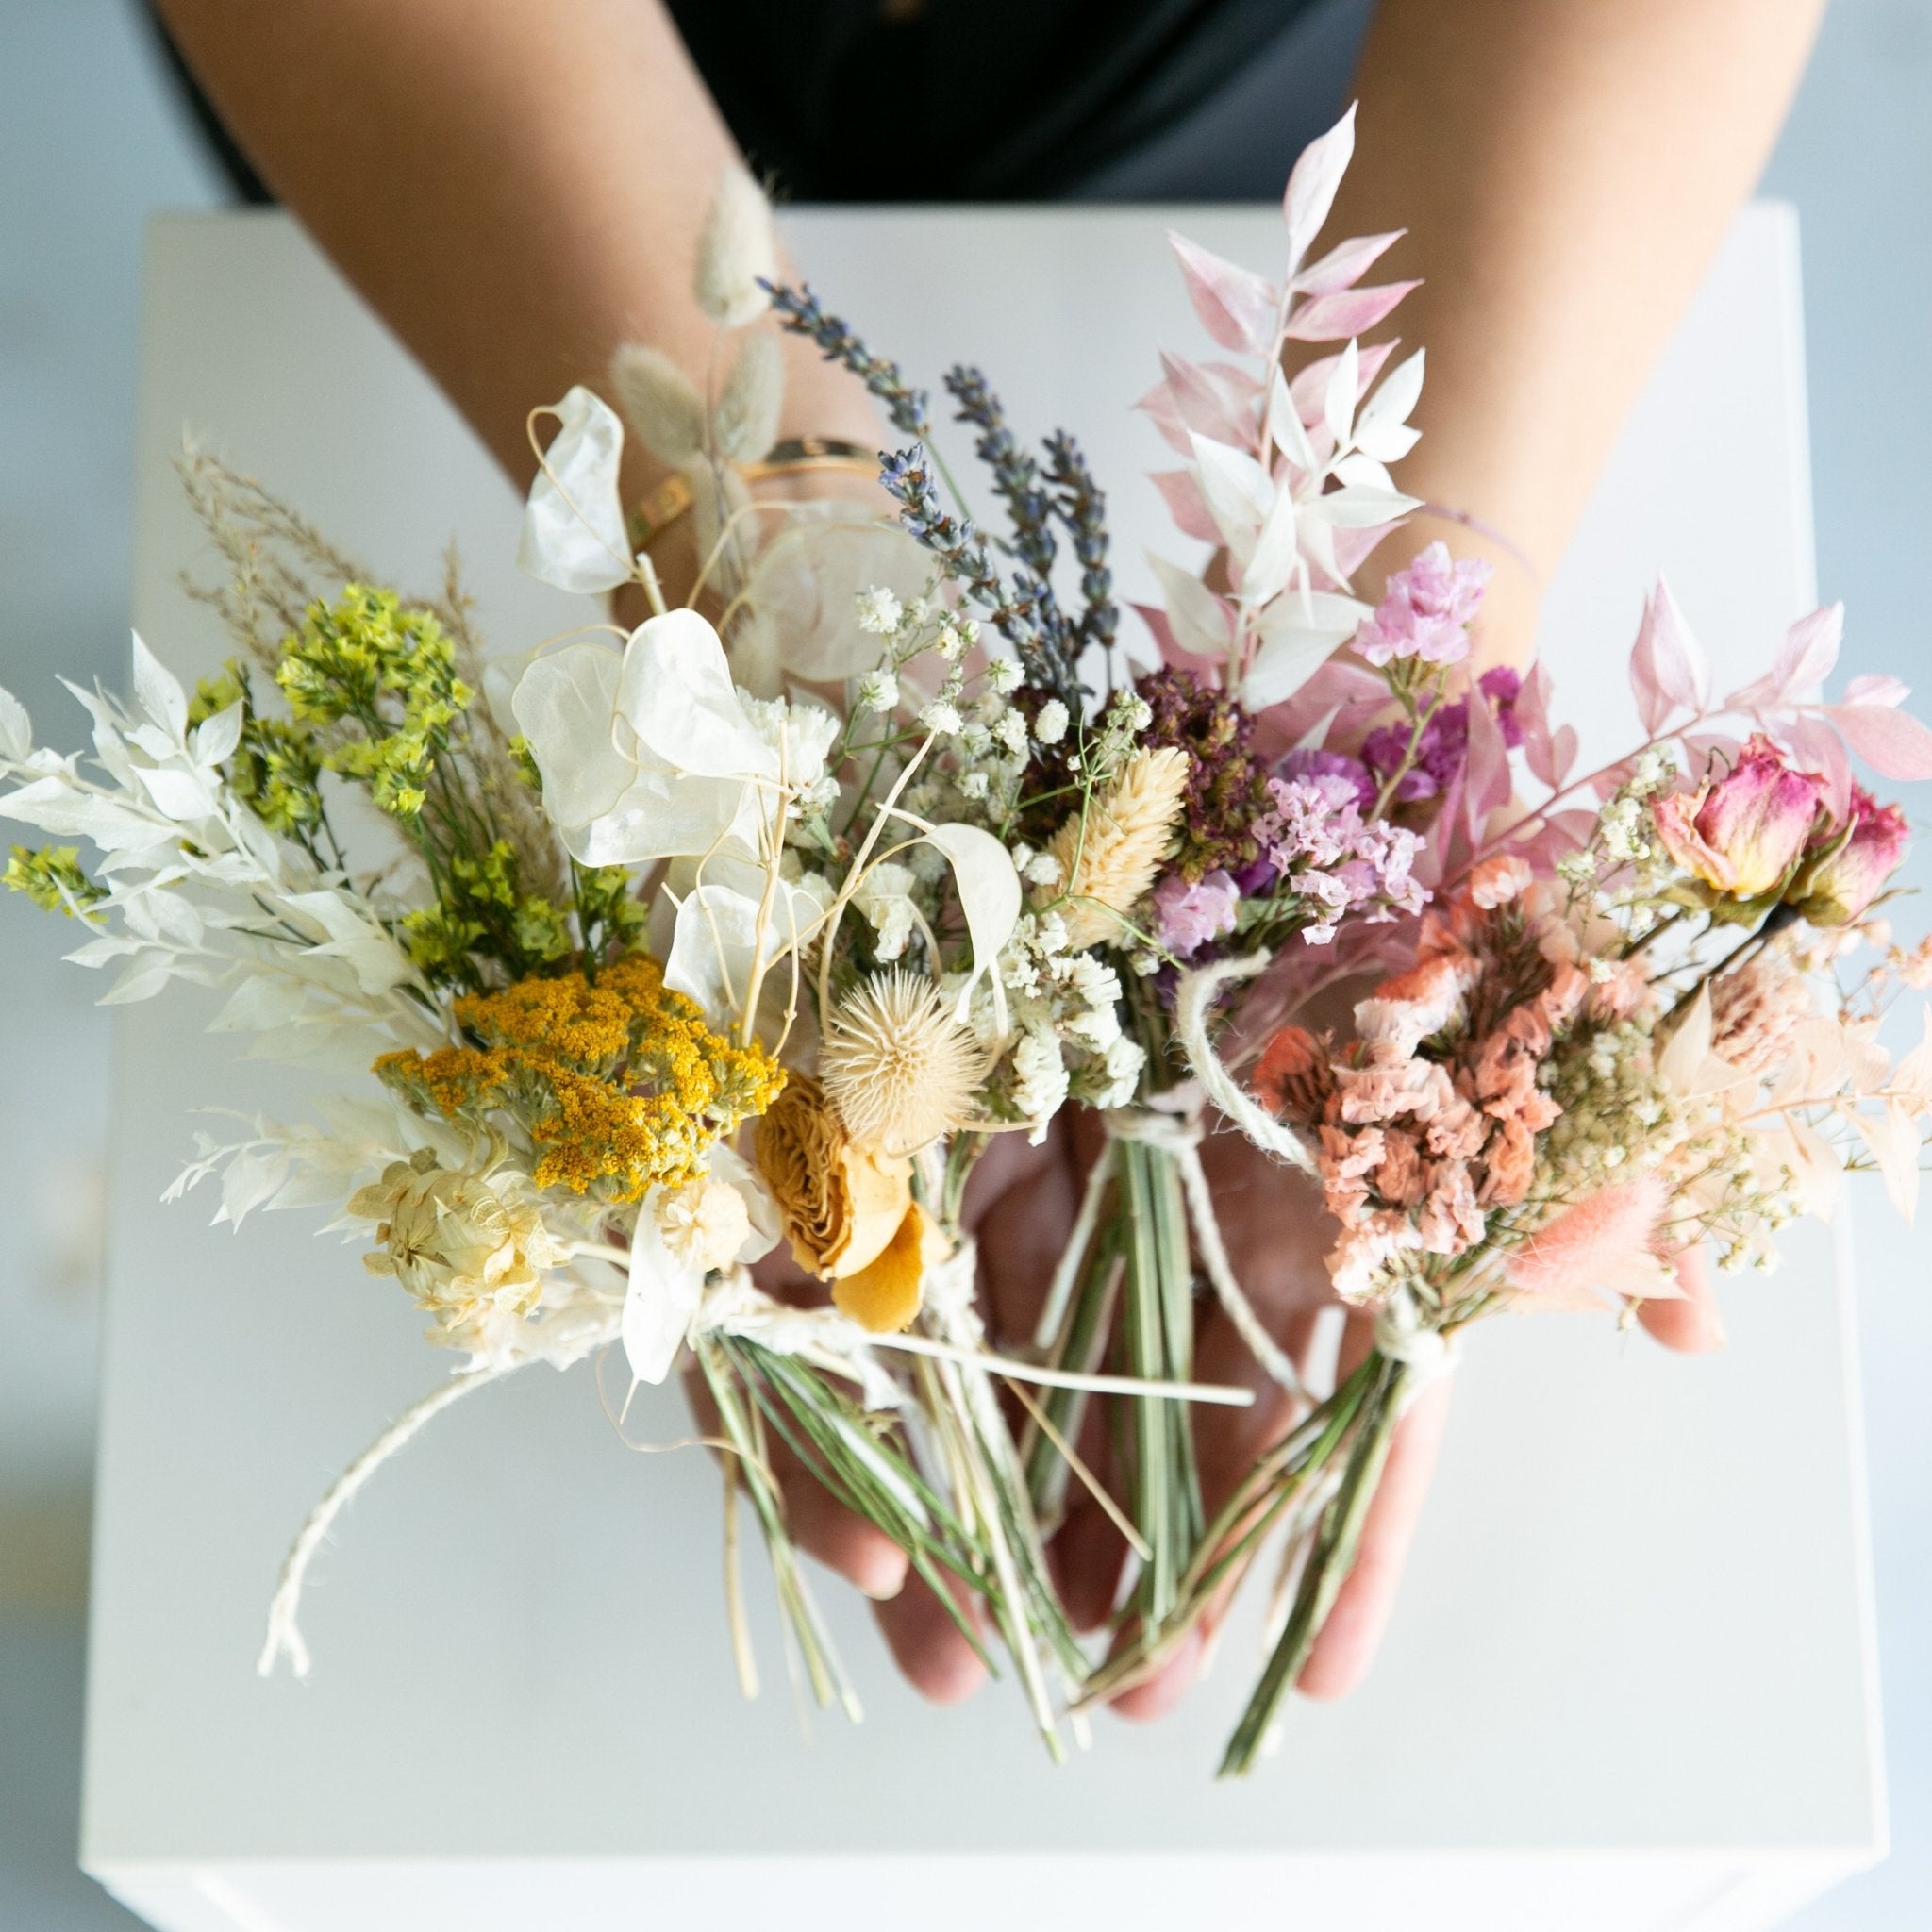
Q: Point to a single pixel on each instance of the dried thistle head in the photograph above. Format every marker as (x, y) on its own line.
(898, 1067)
(1108, 856)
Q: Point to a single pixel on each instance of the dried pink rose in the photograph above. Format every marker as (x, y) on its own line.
(1851, 871)
(1425, 611)
(1742, 833)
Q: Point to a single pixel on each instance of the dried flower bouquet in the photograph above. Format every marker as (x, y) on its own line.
(700, 962)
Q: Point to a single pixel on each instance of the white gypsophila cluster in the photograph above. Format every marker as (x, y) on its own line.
(1065, 1037)
(1050, 724)
(879, 611)
(802, 733)
(878, 693)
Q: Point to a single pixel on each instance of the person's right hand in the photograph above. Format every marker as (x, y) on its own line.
(1021, 1207)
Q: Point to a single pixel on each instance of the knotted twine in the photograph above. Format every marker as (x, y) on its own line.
(732, 1305)
(1402, 1334)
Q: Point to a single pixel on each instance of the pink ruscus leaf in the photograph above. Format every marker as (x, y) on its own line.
(1345, 264)
(1347, 312)
(1185, 504)
(1891, 741)
(1235, 306)
(1804, 661)
(1312, 185)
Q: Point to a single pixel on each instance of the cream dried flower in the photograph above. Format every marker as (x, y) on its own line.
(1755, 1010)
(454, 1240)
(900, 1070)
(704, 1225)
(1110, 859)
(736, 253)
(661, 403)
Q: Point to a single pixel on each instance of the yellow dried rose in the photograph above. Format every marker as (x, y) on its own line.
(840, 1204)
(885, 1295)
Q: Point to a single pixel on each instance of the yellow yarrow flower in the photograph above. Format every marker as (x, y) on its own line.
(619, 1083)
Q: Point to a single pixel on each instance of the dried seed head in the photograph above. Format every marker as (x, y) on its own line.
(900, 1070)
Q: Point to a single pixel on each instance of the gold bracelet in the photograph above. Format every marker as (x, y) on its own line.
(672, 500)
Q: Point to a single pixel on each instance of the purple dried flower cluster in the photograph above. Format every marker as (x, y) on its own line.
(1443, 750)
(1225, 780)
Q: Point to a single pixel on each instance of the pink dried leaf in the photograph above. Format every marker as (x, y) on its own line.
(1236, 305)
(1804, 661)
(1892, 1136)
(1347, 312)
(1351, 548)
(1488, 782)
(1171, 653)
(1533, 719)
(1891, 741)
(1201, 402)
(1346, 263)
(1312, 185)
(1668, 667)
(1201, 622)
(1158, 404)
(1185, 504)
(1876, 688)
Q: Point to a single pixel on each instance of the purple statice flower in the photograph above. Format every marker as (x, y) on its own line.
(1439, 758)
(1503, 687)
(1425, 611)
(1328, 856)
(1444, 752)
(1189, 914)
(1317, 763)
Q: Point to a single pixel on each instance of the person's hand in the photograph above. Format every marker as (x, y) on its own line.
(1021, 1205)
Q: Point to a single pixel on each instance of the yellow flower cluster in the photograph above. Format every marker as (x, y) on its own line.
(367, 661)
(618, 1082)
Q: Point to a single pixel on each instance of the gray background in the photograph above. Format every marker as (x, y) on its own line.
(90, 141)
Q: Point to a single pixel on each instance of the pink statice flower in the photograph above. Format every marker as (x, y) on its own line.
(1425, 611)
(1325, 853)
(1190, 913)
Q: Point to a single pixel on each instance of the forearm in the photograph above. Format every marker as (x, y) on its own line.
(515, 188)
(1565, 169)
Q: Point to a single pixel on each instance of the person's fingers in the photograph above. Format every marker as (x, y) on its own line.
(820, 1524)
(932, 1653)
(1158, 1695)
(1022, 1202)
(1088, 1555)
(1347, 1644)
(1692, 1325)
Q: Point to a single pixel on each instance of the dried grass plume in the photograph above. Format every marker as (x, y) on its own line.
(1108, 865)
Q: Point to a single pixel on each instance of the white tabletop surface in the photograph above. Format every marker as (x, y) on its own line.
(1637, 1615)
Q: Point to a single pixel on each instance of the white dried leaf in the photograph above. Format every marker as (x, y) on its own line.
(574, 529)
(16, 727)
